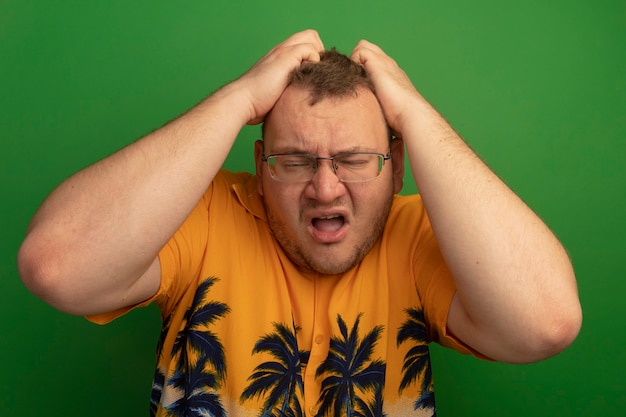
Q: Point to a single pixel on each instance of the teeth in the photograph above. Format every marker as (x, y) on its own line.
(334, 216)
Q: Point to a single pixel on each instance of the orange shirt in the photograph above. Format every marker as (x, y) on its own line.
(246, 332)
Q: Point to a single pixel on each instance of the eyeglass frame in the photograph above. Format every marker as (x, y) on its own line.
(265, 158)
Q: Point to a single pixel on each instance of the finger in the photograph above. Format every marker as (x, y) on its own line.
(310, 36)
(365, 50)
(310, 55)
(297, 54)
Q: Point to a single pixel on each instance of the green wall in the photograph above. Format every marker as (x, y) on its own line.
(537, 88)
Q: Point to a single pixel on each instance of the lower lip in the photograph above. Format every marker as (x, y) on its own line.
(328, 237)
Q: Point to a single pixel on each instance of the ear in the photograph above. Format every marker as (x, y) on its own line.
(397, 163)
(258, 153)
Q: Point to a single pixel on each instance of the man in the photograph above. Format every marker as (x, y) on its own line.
(310, 288)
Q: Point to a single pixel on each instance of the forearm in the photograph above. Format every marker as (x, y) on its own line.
(515, 282)
(102, 228)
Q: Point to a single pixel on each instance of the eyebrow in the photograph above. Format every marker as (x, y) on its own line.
(287, 151)
(290, 150)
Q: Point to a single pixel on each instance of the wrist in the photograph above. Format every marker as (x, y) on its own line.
(233, 103)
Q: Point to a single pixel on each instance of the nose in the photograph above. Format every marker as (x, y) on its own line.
(325, 186)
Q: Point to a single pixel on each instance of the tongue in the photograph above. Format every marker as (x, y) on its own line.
(328, 225)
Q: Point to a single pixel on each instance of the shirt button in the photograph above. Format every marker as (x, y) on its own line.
(313, 411)
(318, 339)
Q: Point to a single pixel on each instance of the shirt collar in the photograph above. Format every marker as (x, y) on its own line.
(248, 196)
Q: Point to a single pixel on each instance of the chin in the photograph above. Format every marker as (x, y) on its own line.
(328, 264)
(331, 269)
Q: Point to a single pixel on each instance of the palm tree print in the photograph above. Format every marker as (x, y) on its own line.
(280, 380)
(349, 373)
(373, 408)
(417, 360)
(199, 358)
(157, 390)
(158, 381)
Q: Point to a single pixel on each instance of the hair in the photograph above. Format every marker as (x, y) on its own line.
(335, 75)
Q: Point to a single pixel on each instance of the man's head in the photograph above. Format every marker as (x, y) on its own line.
(335, 76)
(323, 223)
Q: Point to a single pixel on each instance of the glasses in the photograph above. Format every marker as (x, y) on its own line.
(349, 167)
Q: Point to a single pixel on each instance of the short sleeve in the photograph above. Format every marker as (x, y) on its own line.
(435, 286)
(180, 260)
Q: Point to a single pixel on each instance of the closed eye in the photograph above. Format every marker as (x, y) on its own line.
(353, 162)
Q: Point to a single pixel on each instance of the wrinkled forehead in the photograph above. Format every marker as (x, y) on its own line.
(333, 123)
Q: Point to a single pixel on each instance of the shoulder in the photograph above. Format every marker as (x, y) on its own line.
(225, 179)
(408, 229)
(235, 192)
(408, 211)
(227, 184)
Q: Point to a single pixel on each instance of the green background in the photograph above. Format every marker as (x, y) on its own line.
(538, 89)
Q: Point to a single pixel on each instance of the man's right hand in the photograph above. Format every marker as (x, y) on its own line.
(265, 82)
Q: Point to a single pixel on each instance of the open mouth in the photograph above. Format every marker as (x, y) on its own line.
(328, 224)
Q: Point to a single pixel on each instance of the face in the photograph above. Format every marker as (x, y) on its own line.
(325, 225)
